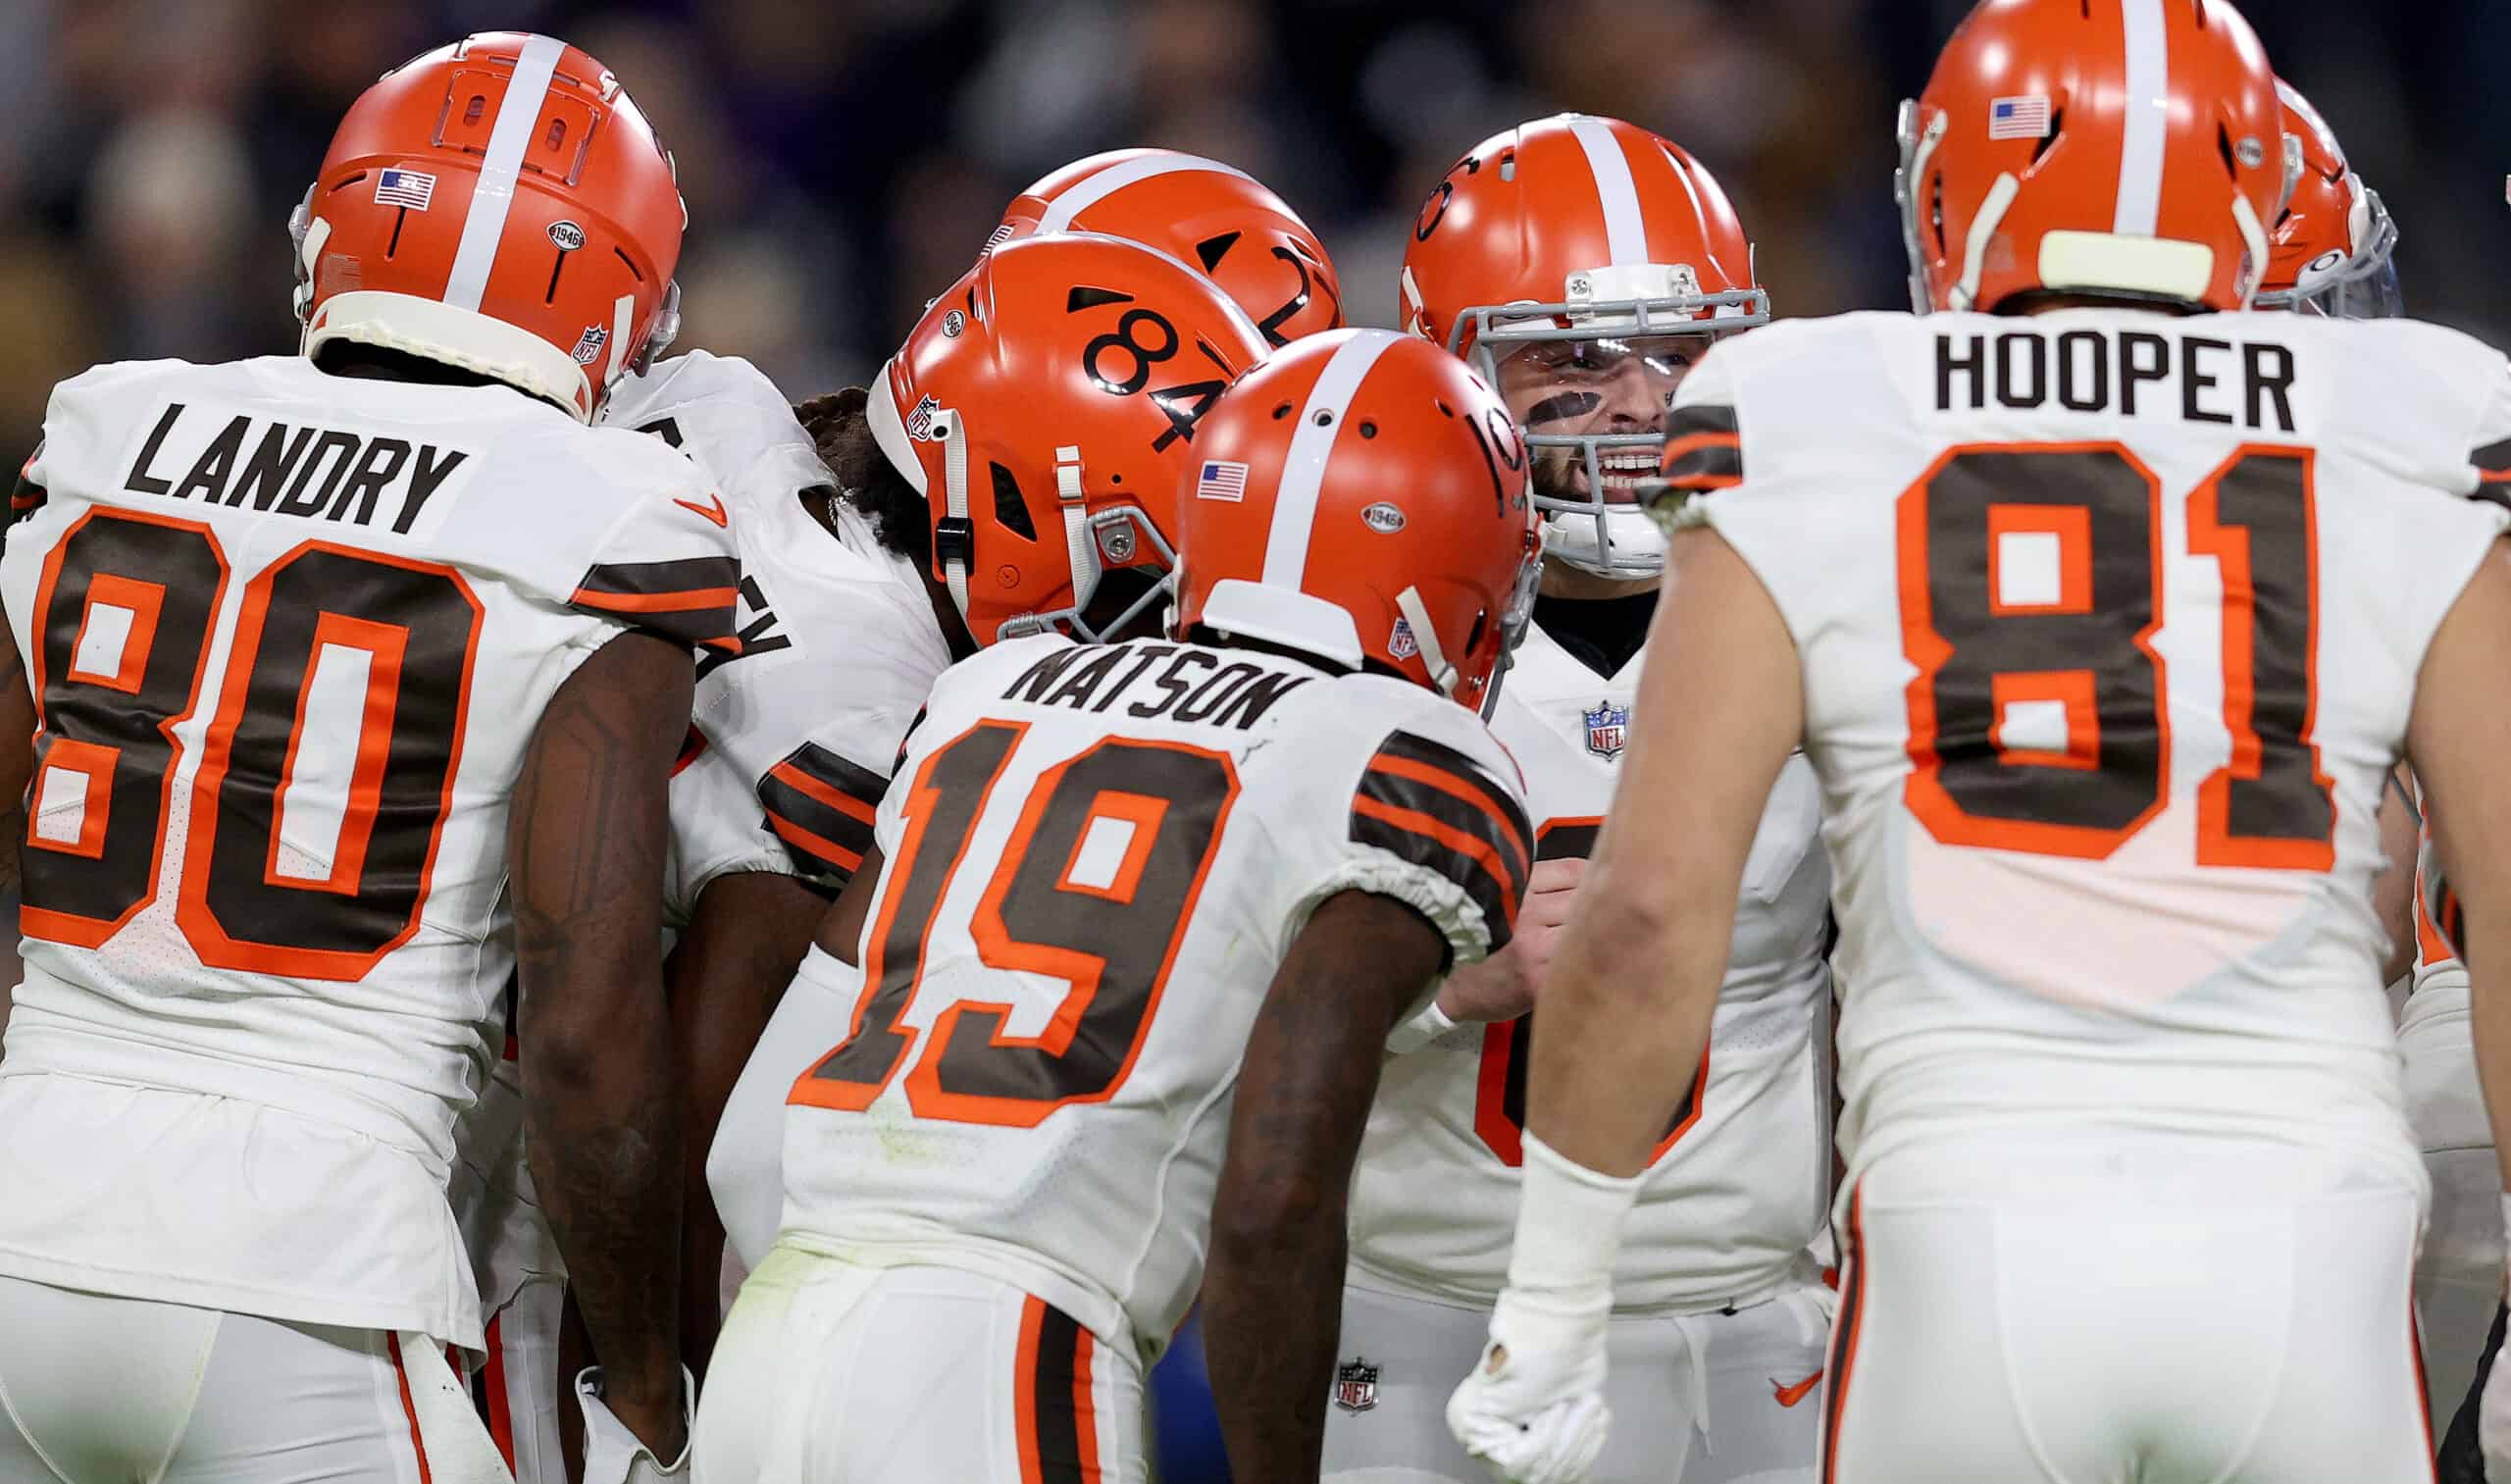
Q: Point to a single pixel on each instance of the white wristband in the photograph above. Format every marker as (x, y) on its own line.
(1570, 1221)
(1427, 1026)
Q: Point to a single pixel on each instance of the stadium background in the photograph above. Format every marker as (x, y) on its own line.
(844, 158)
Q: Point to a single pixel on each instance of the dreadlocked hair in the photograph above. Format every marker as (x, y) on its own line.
(865, 478)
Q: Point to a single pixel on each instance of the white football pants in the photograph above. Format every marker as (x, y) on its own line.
(99, 1390)
(830, 1373)
(2460, 1274)
(1697, 1398)
(2032, 1306)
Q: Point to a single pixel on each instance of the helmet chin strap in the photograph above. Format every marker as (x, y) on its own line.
(953, 435)
(1081, 549)
(1425, 634)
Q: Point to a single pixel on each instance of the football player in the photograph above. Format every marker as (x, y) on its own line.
(770, 802)
(2102, 620)
(2332, 250)
(2333, 256)
(1584, 264)
(856, 595)
(1110, 875)
(354, 680)
(1041, 412)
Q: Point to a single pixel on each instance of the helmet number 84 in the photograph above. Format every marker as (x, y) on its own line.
(1141, 340)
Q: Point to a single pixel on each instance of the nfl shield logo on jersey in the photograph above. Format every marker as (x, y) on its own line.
(1607, 727)
(1355, 1385)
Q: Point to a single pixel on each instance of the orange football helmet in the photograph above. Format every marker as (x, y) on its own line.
(1068, 375)
(1199, 212)
(499, 205)
(1361, 497)
(2124, 149)
(1582, 251)
(2332, 249)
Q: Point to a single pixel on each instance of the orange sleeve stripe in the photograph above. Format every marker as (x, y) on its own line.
(811, 788)
(1682, 445)
(690, 601)
(1458, 788)
(1472, 846)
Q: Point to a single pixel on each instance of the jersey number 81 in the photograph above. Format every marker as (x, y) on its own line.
(2031, 586)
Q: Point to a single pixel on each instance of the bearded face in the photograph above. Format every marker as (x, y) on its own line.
(1579, 388)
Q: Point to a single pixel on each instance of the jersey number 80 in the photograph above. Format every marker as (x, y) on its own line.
(124, 626)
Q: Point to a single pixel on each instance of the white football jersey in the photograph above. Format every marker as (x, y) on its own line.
(1740, 1184)
(793, 737)
(2109, 625)
(290, 634)
(1094, 859)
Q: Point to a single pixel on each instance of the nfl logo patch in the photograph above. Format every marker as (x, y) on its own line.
(1608, 727)
(920, 423)
(589, 345)
(1355, 1385)
(1401, 644)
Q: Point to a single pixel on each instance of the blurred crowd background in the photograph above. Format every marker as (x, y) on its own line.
(844, 158)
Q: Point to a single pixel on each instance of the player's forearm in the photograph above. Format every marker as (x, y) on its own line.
(727, 974)
(1272, 1313)
(1273, 1289)
(604, 1134)
(1625, 1019)
(587, 839)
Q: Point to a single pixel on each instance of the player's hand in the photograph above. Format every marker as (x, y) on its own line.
(1533, 1410)
(626, 1446)
(1502, 986)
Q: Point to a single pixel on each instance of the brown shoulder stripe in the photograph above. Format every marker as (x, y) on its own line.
(1434, 806)
(1704, 449)
(823, 808)
(690, 601)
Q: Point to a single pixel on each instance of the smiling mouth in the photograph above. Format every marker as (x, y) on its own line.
(1624, 470)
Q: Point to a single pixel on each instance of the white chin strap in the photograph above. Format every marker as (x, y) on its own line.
(1425, 634)
(1974, 248)
(2253, 236)
(1081, 549)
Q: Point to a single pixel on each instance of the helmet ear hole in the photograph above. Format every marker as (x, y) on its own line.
(2049, 140)
(1010, 508)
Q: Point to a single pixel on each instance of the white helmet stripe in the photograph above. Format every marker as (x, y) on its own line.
(1304, 469)
(1090, 190)
(1625, 231)
(485, 225)
(2148, 104)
